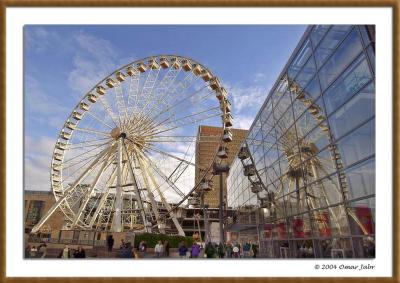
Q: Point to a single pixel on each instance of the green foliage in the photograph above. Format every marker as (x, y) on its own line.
(152, 239)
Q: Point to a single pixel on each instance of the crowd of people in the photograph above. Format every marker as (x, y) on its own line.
(160, 250)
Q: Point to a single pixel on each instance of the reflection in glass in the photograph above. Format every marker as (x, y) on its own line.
(359, 144)
(317, 33)
(300, 59)
(346, 53)
(349, 83)
(355, 111)
(361, 179)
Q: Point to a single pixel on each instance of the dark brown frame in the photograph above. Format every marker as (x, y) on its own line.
(394, 4)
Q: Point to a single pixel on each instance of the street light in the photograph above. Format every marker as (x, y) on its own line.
(219, 169)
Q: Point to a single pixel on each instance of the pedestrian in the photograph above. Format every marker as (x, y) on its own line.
(195, 250)
(158, 249)
(110, 242)
(229, 250)
(42, 250)
(122, 245)
(142, 249)
(33, 252)
(221, 250)
(210, 250)
(79, 253)
(236, 251)
(182, 250)
(246, 250)
(166, 248)
(125, 251)
(65, 252)
(255, 250)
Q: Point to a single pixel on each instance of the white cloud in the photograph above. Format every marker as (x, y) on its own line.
(243, 122)
(38, 153)
(247, 98)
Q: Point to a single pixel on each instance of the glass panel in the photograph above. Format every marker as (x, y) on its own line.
(313, 90)
(349, 83)
(306, 73)
(364, 247)
(305, 124)
(355, 111)
(339, 222)
(279, 91)
(359, 144)
(361, 179)
(317, 33)
(317, 138)
(320, 165)
(282, 105)
(362, 217)
(346, 53)
(371, 55)
(284, 123)
(329, 43)
(300, 59)
(364, 35)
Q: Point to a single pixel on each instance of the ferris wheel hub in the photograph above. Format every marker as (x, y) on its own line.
(115, 133)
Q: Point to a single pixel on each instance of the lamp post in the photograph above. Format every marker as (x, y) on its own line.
(219, 169)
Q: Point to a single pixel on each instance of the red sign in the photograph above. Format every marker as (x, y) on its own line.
(298, 229)
(281, 227)
(322, 219)
(268, 230)
(365, 217)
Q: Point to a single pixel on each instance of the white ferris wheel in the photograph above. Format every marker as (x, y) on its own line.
(125, 157)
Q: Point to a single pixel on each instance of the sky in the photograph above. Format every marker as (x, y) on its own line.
(62, 62)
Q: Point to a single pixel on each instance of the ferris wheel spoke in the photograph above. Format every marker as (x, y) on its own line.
(180, 102)
(163, 89)
(162, 175)
(88, 144)
(94, 132)
(86, 152)
(109, 110)
(119, 98)
(91, 188)
(183, 123)
(146, 95)
(171, 155)
(98, 119)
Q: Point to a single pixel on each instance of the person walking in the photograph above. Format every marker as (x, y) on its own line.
(33, 252)
(158, 249)
(229, 250)
(110, 242)
(246, 250)
(65, 252)
(142, 249)
(182, 250)
(166, 248)
(195, 250)
(42, 250)
(236, 251)
(79, 253)
(221, 250)
(255, 250)
(210, 250)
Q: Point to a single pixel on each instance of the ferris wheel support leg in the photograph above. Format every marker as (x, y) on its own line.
(92, 186)
(166, 204)
(67, 193)
(118, 194)
(135, 187)
(102, 200)
(150, 195)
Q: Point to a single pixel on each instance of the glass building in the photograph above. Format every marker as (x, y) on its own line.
(306, 172)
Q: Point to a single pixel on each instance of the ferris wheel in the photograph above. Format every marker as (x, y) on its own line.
(125, 157)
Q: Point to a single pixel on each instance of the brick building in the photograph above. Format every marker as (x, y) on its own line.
(208, 138)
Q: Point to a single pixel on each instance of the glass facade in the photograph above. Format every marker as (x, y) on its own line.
(313, 147)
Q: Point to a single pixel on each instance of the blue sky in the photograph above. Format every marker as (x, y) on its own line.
(61, 63)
